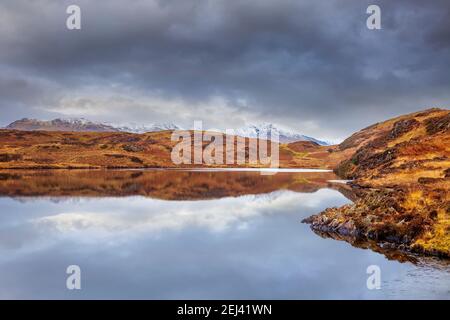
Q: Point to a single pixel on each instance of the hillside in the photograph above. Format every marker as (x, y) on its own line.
(95, 150)
(401, 172)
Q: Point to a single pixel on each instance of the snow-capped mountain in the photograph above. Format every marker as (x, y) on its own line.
(71, 124)
(80, 124)
(142, 128)
(263, 131)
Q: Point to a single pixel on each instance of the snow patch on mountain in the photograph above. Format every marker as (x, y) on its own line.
(264, 130)
(142, 128)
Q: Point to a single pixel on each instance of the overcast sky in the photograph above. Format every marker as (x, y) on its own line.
(307, 65)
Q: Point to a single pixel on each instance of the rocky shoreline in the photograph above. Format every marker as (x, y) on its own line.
(401, 178)
(379, 216)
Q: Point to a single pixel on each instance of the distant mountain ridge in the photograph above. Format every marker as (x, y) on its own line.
(142, 128)
(81, 125)
(264, 130)
(77, 125)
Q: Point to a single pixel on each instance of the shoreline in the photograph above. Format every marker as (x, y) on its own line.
(379, 214)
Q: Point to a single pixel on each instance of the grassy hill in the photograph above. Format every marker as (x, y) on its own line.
(401, 172)
(69, 150)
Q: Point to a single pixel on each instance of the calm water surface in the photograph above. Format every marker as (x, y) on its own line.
(188, 235)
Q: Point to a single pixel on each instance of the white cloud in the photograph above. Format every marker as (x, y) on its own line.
(133, 215)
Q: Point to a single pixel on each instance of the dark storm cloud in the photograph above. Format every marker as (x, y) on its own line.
(307, 65)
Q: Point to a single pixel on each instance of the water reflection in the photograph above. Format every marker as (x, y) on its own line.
(161, 184)
(130, 242)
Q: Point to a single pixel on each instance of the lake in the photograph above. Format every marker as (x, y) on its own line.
(169, 234)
